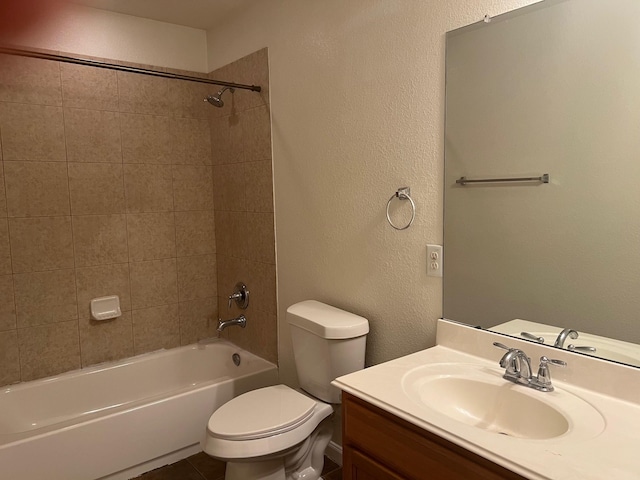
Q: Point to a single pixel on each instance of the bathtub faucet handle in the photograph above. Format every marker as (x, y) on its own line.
(240, 296)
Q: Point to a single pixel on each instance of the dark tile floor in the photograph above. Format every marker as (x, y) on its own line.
(202, 467)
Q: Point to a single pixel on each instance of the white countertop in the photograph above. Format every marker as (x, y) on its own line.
(610, 454)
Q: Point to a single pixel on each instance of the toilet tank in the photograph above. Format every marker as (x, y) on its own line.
(327, 343)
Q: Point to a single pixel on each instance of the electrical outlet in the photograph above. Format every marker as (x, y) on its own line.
(434, 260)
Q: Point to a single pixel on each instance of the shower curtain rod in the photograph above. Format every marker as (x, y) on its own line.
(110, 66)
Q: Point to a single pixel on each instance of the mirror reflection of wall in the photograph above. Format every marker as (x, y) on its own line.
(552, 88)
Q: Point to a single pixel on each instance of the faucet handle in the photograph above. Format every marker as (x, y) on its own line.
(531, 336)
(575, 348)
(510, 360)
(240, 296)
(543, 380)
(545, 361)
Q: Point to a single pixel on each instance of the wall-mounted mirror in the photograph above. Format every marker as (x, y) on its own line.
(553, 88)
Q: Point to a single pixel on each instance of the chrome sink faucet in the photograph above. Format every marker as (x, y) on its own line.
(241, 321)
(518, 369)
(562, 337)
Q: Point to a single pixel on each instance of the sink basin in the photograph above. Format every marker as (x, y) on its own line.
(479, 397)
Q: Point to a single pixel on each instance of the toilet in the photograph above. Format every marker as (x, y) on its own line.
(278, 433)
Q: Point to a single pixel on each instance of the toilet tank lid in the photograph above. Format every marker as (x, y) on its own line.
(326, 321)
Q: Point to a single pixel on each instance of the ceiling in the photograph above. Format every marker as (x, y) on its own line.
(202, 14)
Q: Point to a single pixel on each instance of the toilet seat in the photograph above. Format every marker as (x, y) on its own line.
(282, 418)
(261, 413)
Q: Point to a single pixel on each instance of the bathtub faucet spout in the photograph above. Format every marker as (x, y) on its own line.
(240, 321)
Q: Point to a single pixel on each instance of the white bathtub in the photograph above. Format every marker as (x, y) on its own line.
(115, 421)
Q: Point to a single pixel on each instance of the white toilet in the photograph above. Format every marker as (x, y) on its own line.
(278, 433)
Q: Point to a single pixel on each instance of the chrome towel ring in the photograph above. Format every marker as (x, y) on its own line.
(403, 193)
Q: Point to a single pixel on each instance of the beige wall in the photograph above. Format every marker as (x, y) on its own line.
(99, 33)
(108, 188)
(357, 105)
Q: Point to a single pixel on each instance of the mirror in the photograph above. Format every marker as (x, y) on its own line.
(552, 88)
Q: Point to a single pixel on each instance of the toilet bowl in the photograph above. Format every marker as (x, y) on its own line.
(278, 433)
(268, 431)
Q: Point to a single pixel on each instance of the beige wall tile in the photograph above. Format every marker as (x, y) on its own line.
(233, 233)
(261, 242)
(198, 320)
(102, 281)
(151, 236)
(148, 188)
(260, 336)
(100, 239)
(96, 188)
(36, 189)
(259, 186)
(253, 70)
(191, 141)
(3, 196)
(155, 328)
(143, 94)
(29, 80)
(47, 350)
(229, 187)
(195, 233)
(43, 243)
(106, 340)
(5, 250)
(89, 87)
(224, 73)
(45, 297)
(232, 270)
(193, 104)
(226, 140)
(92, 136)
(262, 280)
(197, 277)
(192, 187)
(256, 134)
(146, 139)
(153, 283)
(32, 133)
(7, 304)
(9, 358)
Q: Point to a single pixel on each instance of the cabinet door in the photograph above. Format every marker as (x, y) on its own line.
(362, 467)
(409, 452)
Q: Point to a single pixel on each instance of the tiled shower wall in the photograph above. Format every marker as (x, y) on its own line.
(107, 188)
(243, 202)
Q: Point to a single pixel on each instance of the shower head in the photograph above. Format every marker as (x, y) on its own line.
(216, 100)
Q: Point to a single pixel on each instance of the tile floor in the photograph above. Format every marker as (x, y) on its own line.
(202, 467)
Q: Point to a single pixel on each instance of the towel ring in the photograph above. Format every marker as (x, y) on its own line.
(403, 193)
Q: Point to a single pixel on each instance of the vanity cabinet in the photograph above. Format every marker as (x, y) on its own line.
(380, 446)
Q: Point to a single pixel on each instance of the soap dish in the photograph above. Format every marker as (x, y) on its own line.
(105, 308)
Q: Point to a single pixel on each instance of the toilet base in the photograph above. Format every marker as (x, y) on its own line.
(263, 470)
(303, 462)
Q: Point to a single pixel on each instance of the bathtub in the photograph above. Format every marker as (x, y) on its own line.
(115, 421)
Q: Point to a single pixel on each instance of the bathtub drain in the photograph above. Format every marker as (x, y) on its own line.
(236, 359)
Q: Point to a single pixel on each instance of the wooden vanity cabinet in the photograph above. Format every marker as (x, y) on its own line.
(380, 446)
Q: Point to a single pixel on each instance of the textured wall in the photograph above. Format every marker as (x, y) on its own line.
(99, 33)
(357, 105)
